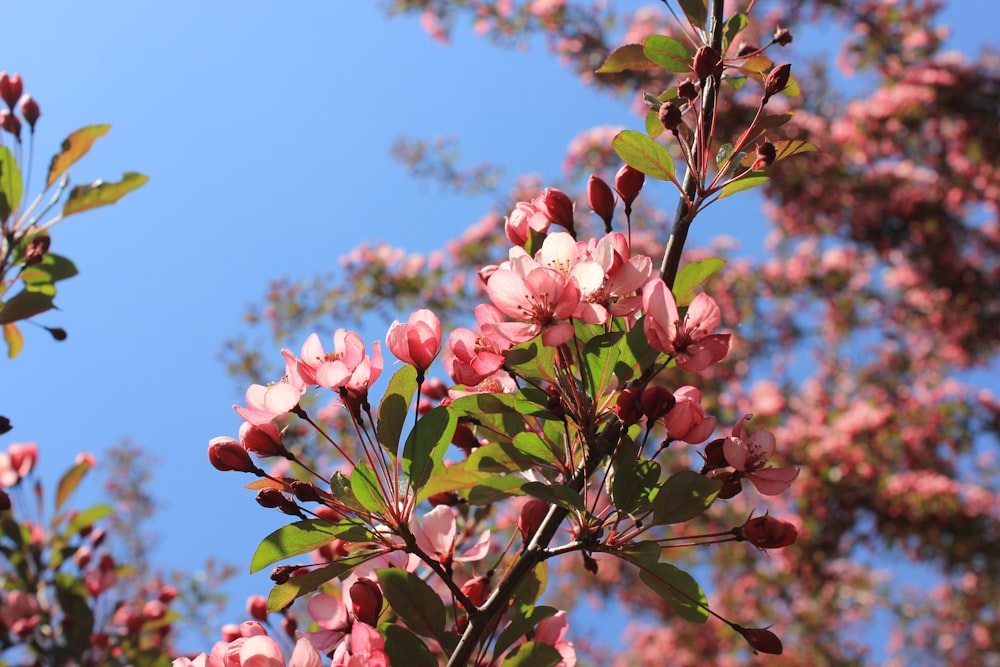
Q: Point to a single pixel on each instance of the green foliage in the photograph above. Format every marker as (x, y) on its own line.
(395, 407)
(11, 186)
(684, 496)
(414, 601)
(532, 654)
(677, 588)
(642, 153)
(423, 453)
(291, 540)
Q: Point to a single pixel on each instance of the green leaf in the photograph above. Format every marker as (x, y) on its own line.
(74, 604)
(69, 481)
(533, 585)
(405, 648)
(340, 487)
(636, 352)
(424, 450)
(475, 405)
(395, 407)
(624, 58)
(684, 496)
(85, 197)
(51, 269)
(531, 401)
(284, 594)
(642, 153)
(678, 589)
(413, 601)
(635, 484)
(601, 354)
(641, 553)
(25, 304)
(14, 339)
(532, 360)
(502, 457)
(696, 11)
(88, 517)
(557, 495)
(535, 447)
(496, 488)
(74, 147)
(668, 53)
(366, 489)
(456, 477)
(693, 274)
(291, 540)
(734, 26)
(11, 187)
(748, 182)
(532, 654)
(523, 619)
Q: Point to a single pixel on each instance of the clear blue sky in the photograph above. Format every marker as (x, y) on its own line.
(266, 135)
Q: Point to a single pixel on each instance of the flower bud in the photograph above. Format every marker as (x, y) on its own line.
(226, 454)
(262, 439)
(57, 333)
(589, 564)
(601, 199)
(434, 389)
(557, 207)
(761, 640)
(11, 123)
(766, 532)
(30, 111)
(38, 246)
(5, 425)
(776, 80)
(628, 408)
(464, 439)
(289, 625)
(154, 610)
(271, 497)
(532, 515)
(766, 153)
(670, 116)
(366, 601)
(476, 589)
(11, 88)
(230, 632)
(167, 594)
(306, 492)
(628, 183)
(656, 401)
(782, 36)
(282, 573)
(687, 89)
(449, 498)
(257, 608)
(706, 60)
(715, 456)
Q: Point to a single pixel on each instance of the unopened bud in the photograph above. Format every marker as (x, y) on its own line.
(589, 564)
(57, 333)
(601, 200)
(449, 498)
(656, 401)
(270, 498)
(776, 80)
(262, 439)
(766, 153)
(434, 389)
(306, 492)
(687, 89)
(289, 625)
(167, 594)
(37, 248)
(282, 573)
(476, 589)
(154, 610)
(11, 123)
(766, 532)
(464, 439)
(5, 426)
(532, 515)
(628, 408)
(706, 61)
(761, 640)
(715, 456)
(11, 88)
(628, 183)
(366, 601)
(782, 36)
(30, 111)
(257, 608)
(226, 454)
(670, 116)
(557, 207)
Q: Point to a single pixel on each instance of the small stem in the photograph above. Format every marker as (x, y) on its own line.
(702, 143)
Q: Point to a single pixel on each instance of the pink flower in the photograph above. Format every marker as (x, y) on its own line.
(17, 462)
(525, 218)
(748, 454)
(436, 534)
(551, 631)
(611, 289)
(686, 421)
(20, 613)
(265, 403)
(418, 341)
(366, 649)
(540, 298)
(331, 616)
(476, 356)
(689, 341)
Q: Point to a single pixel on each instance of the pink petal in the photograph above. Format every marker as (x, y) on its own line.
(509, 293)
(477, 551)
(396, 341)
(261, 651)
(329, 612)
(305, 655)
(703, 316)
(772, 481)
(736, 453)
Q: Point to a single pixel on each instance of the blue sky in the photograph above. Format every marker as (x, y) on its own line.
(266, 136)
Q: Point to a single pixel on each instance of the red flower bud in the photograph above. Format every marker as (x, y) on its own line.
(270, 498)
(306, 492)
(10, 88)
(289, 625)
(687, 89)
(766, 153)
(11, 123)
(257, 608)
(366, 600)
(601, 199)
(656, 402)
(670, 116)
(434, 389)
(449, 498)
(628, 183)
(532, 514)
(226, 454)
(628, 408)
(464, 439)
(706, 61)
(38, 246)
(167, 594)
(715, 456)
(766, 532)
(589, 564)
(262, 440)
(476, 589)
(776, 80)
(557, 207)
(782, 36)
(761, 640)
(30, 111)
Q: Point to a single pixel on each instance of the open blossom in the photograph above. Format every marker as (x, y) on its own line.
(363, 648)
(748, 454)
(551, 631)
(525, 218)
(265, 403)
(686, 421)
(476, 356)
(331, 615)
(540, 298)
(436, 533)
(690, 341)
(418, 341)
(347, 365)
(611, 290)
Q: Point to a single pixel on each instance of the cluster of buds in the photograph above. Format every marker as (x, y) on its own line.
(11, 88)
